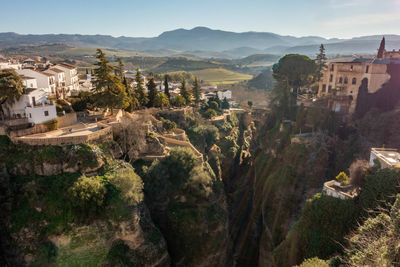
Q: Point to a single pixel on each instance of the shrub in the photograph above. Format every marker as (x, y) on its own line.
(87, 194)
(129, 184)
(168, 125)
(179, 101)
(199, 183)
(51, 124)
(210, 113)
(213, 105)
(314, 262)
(342, 178)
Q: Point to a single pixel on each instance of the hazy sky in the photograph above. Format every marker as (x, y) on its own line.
(327, 18)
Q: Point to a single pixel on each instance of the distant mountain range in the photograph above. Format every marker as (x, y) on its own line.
(223, 43)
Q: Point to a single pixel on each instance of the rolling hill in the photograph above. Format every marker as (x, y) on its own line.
(206, 43)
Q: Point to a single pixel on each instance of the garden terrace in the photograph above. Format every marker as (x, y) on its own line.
(80, 134)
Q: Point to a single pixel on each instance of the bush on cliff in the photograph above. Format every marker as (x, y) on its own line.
(325, 221)
(87, 194)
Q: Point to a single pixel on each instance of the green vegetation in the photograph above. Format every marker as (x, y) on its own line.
(325, 221)
(51, 124)
(87, 195)
(342, 178)
(220, 76)
(168, 125)
(188, 192)
(11, 86)
(263, 81)
(210, 113)
(184, 64)
(108, 87)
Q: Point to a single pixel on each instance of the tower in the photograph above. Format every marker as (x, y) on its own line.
(381, 49)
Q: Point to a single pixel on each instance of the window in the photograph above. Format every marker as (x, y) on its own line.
(46, 113)
(367, 69)
(354, 81)
(30, 115)
(341, 80)
(332, 67)
(351, 67)
(331, 78)
(346, 81)
(323, 88)
(329, 88)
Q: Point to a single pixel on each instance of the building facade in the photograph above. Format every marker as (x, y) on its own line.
(33, 105)
(341, 81)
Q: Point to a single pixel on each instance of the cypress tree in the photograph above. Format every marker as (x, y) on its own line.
(184, 92)
(321, 61)
(152, 89)
(166, 86)
(119, 69)
(196, 91)
(140, 93)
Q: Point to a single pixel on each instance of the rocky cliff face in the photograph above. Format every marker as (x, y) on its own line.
(40, 226)
(188, 204)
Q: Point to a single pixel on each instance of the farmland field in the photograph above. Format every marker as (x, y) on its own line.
(220, 76)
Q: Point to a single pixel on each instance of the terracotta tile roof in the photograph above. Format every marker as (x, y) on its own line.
(44, 73)
(66, 65)
(56, 70)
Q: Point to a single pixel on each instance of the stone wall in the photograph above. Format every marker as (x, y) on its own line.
(177, 134)
(67, 120)
(100, 135)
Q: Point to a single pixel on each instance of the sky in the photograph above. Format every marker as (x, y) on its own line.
(149, 18)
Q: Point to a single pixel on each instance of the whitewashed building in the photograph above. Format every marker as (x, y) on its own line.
(10, 65)
(29, 82)
(224, 94)
(33, 105)
(45, 81)
(71, 76)
(60, 79)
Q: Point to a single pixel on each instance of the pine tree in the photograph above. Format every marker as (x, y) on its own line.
(184, 92)
(152, 89)
(109, 92)
(140, 93)
(321, 61)
(225, 104)
(166, 86)
(196, 91)
(119, 69)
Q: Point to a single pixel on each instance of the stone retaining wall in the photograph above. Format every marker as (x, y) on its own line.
(67, 120)
(100, 135)
(177, 134)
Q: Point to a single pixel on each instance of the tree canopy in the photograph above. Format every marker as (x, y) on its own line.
(184, 91)
(108, 87)
(11, 87)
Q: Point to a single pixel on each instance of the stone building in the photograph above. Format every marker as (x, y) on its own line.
(341, 81)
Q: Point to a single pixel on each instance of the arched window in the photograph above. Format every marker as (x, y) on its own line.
(354, 81)
(346, 81)
(341, 80)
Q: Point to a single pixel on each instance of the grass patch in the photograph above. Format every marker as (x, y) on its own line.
(219, 75)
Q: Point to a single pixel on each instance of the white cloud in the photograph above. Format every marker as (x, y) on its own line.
(366, 19)
(348, 3)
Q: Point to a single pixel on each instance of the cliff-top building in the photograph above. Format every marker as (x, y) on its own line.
(341, 80)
